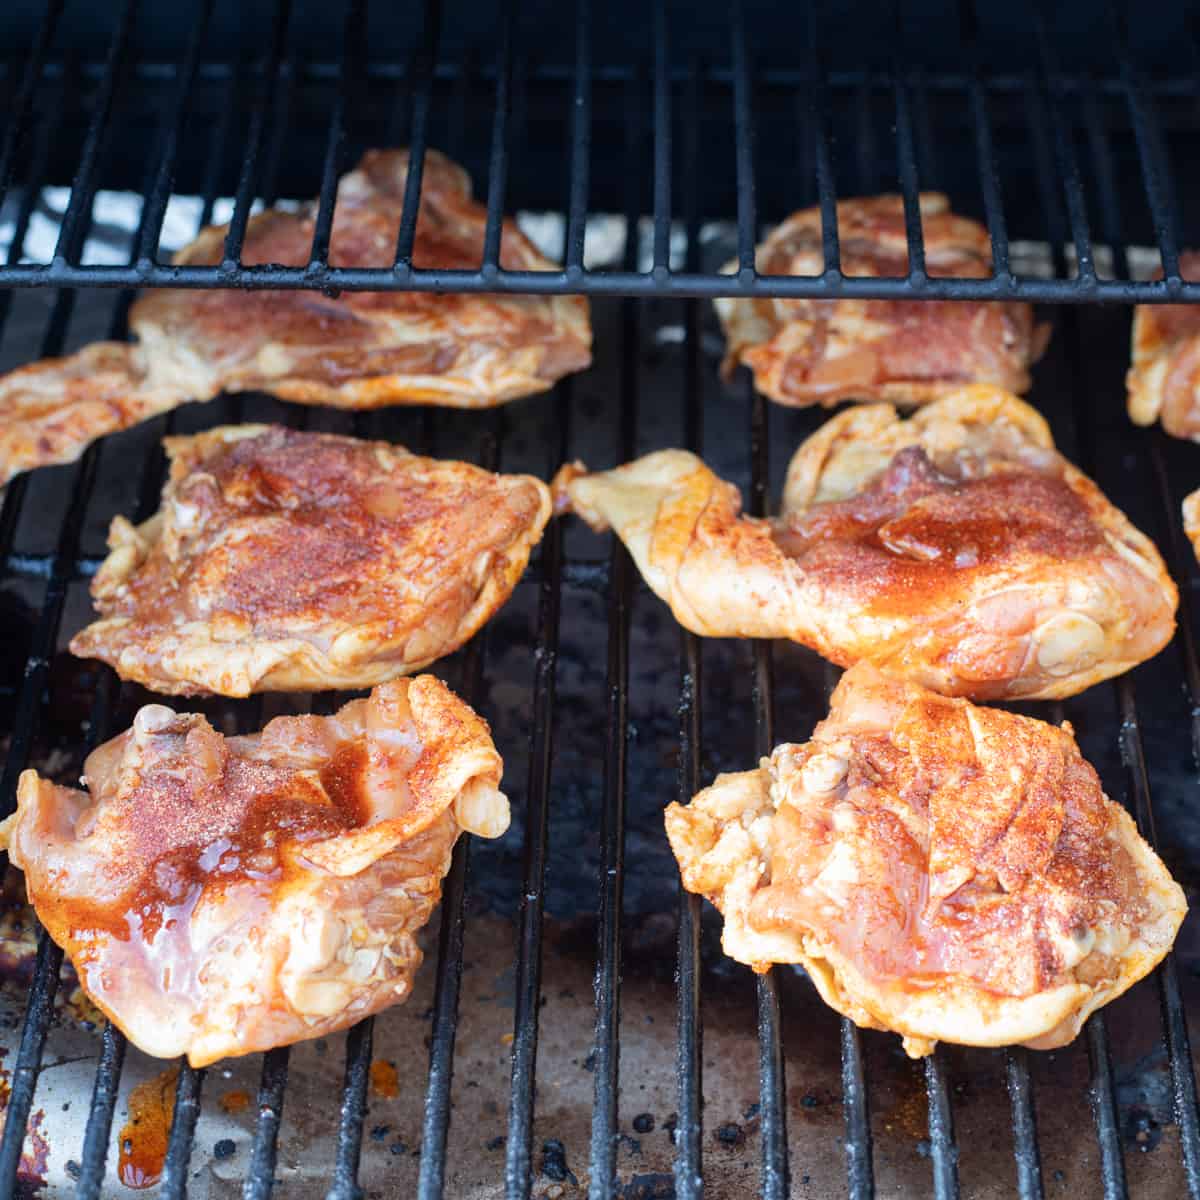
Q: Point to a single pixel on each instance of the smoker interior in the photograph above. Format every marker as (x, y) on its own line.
(575, 1028)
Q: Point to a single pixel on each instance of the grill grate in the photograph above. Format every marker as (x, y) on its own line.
(976, 89)
(1118, 119)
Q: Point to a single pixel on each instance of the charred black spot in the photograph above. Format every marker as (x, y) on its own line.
(554, 1162)
(731, 1134)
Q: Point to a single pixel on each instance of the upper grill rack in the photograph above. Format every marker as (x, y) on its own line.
(746, 102)
(677, 104)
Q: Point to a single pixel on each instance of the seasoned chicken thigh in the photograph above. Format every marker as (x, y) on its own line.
(947, 872)
(1163, 381)
(52, 410)
(957, 549)
(219, 896)
(287, 560)
(907, 351)
(359, 350)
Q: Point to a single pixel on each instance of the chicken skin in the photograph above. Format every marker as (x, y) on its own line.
(282, 560)
(957, 549)
(946, 872)
(52, 411)
(1163, 381)
(360, 350)
(220, 896)
(909, 352)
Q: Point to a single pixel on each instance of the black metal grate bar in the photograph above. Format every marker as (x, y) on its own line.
(581, 141)
(607, 1044)
(662, 141)
(498, 165)
(348, 71)
(517, 1162)
(1183, 1079)
(1102, 1093)
(689, 1127)
(182, 1137)
(418, 139)
(689, 1183)
(1024, 1119)
(817, 111)
(160, 189)
(743, 124)
(280, 97)
(1110, 220)
(353, 1112)
(259, 115)
(989, 174)
(1051, 97)
(518, 1155)
(260, 1179)
(112, 1042)
(772, 1089)
(860, 1171)
(100, 1115)
(677, 285)
(866, 150)
(76, 219)
(927, 152)
(273, 106)
(943, 1150)
(906, 160)
(21, 105)
(1155, 172)
(602, 1175)
(770, 75)
(216, 153)
(436, 1122)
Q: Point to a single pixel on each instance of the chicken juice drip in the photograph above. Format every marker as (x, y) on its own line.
(144, 1136)
(385, 1079)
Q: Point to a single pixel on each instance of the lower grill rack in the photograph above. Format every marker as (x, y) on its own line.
(575, 1029)
(568, 974)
